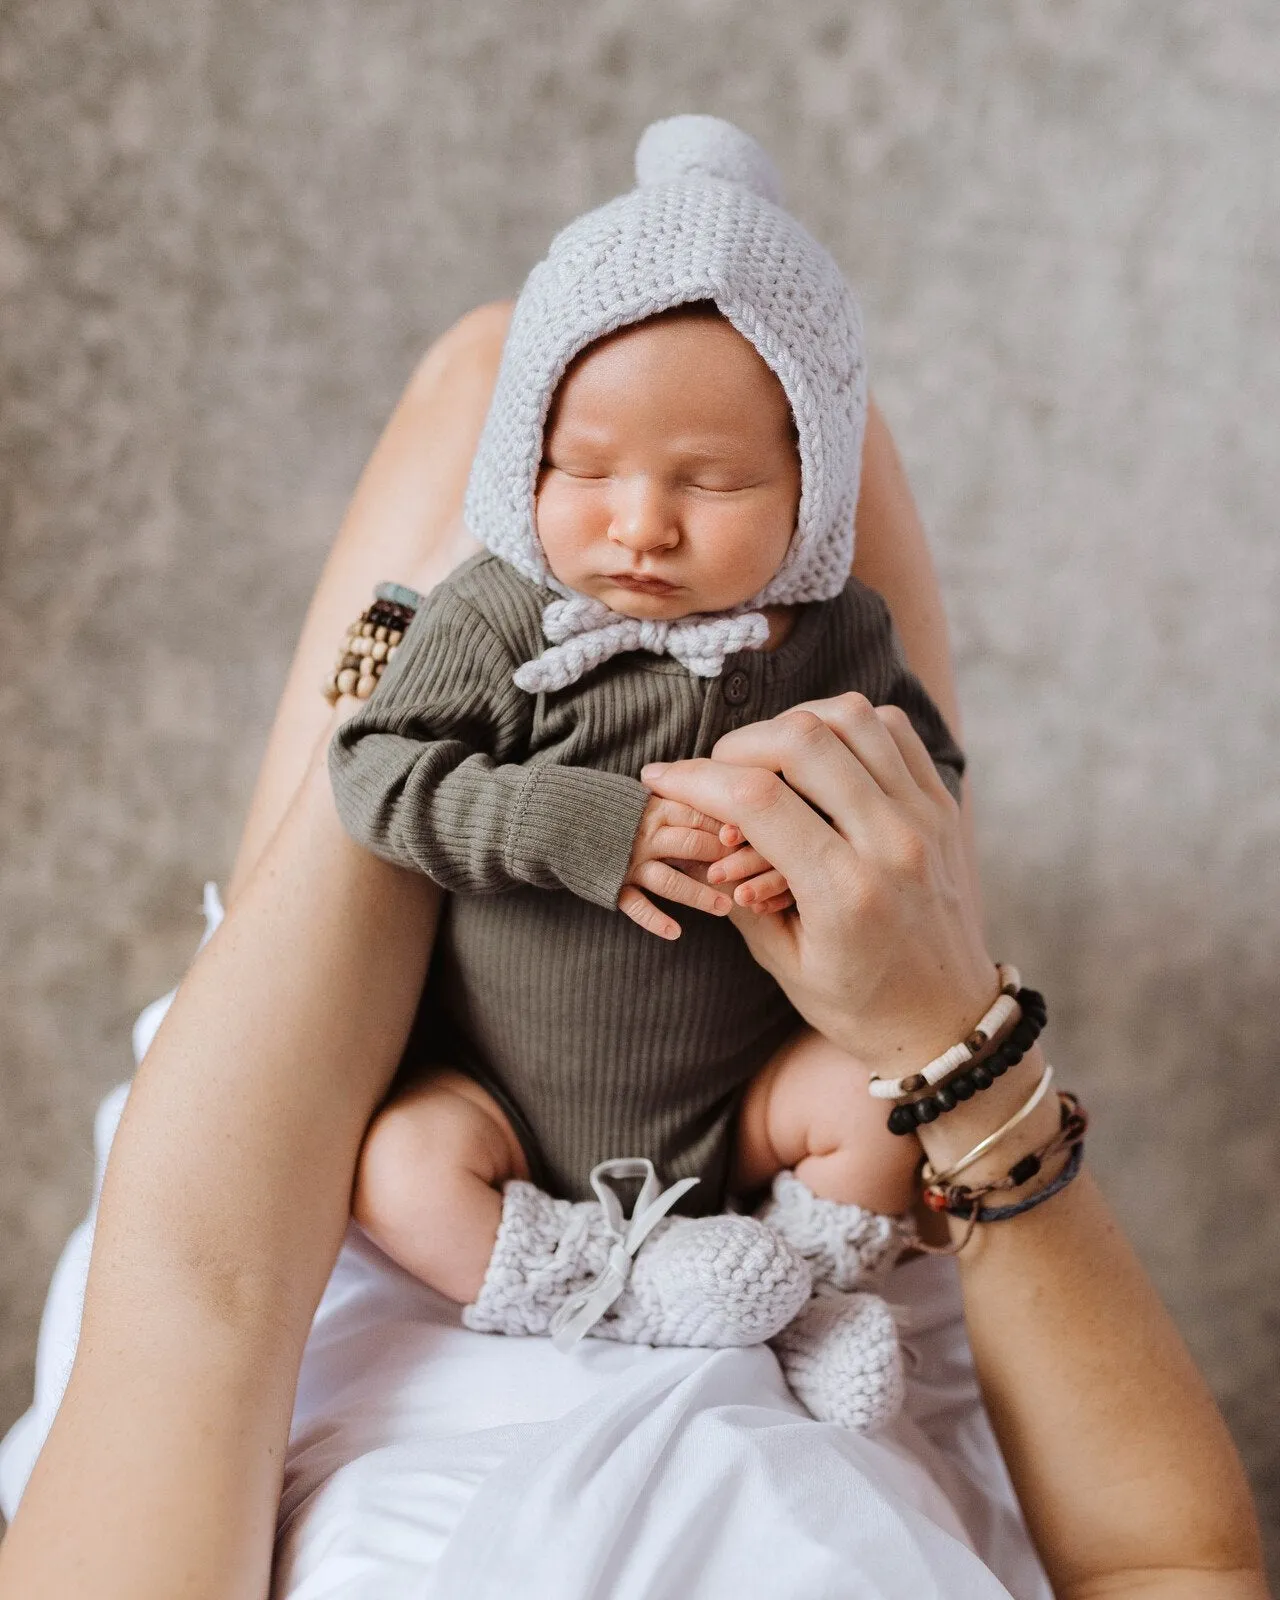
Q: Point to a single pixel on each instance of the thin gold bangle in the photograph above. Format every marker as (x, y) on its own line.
(928, 1176)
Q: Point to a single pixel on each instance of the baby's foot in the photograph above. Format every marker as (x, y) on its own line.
(843, 1360)
(714, 1281)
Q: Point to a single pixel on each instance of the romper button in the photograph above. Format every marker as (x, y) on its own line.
(737, 686)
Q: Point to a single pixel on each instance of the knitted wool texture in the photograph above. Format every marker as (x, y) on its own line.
(842, 1358)
(841, 1355)
(715, 1281)
(847, 1246)
(704, 223)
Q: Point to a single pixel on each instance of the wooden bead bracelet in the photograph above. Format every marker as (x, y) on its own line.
(371, 642)
(971, 1080)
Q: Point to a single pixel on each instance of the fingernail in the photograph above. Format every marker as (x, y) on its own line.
(746, 896)
(671, 933)
(654, 769)
(715, 875)
(724, 905)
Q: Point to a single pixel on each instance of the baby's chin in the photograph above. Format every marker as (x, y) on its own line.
(650, 607)
(680, 602)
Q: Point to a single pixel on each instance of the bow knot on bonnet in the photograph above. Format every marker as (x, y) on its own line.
(705, 222)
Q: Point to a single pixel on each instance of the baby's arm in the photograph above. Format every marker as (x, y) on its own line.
(432, 774)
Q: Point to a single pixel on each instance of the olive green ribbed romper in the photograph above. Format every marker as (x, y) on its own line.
(597, 1038)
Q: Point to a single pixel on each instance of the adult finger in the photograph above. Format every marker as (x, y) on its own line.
(643, 912)
(816, 762)
(859, 724)
(660, 877)
(776, 819)
(915, 757)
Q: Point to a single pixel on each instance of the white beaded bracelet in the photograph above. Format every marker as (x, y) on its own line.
(1002, 1011)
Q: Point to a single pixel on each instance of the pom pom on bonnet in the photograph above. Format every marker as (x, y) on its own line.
(705, 222)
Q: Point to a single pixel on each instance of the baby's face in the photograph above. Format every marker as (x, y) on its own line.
(670, 479)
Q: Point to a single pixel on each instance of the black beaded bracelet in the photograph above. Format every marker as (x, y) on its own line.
(971, 1080)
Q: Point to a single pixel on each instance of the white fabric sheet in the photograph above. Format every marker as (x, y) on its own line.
(428, 1462)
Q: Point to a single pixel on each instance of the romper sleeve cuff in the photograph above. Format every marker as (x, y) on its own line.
(579, 825)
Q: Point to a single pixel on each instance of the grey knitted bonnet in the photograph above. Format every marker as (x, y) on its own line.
(703, 223)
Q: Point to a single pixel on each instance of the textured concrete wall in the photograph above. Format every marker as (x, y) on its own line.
(227, 230)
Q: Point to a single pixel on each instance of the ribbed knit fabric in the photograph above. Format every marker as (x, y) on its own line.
(599, 1039)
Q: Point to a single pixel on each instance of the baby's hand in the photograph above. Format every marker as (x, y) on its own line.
(671, 832)
(764, 888)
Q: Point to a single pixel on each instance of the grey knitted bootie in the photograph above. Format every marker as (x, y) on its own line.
(847, 1246)
(569, 1268)
(841, 1356)
(842, 1359)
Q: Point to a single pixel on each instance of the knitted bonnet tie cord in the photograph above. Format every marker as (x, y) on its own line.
(586, 632)
(580, 1313)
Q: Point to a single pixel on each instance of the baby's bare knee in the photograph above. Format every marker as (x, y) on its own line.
(419, 1147)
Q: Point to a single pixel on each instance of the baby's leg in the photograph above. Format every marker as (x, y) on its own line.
(808, 1110)
(428, 1188)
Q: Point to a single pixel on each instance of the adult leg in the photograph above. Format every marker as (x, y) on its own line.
(229, 1184)
(404, 524)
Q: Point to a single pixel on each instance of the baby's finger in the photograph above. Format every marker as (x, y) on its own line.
(685, 844)
(782, 902)
(731, 834)
(675, 814)
(768, 886)
(660, 877)
(646, 915)
(742, 864)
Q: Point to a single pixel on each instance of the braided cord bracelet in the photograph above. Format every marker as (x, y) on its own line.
(967, 1204)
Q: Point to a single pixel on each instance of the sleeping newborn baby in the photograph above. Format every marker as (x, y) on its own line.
(665, 488)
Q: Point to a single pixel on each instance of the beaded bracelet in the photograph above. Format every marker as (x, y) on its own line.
(959, 1055)
(963, 1085)
(371, 642)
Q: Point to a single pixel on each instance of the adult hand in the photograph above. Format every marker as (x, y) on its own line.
(883, 952)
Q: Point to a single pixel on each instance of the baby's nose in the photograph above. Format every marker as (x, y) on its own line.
(643, 517)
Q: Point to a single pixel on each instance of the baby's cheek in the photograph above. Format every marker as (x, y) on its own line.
(563, 533)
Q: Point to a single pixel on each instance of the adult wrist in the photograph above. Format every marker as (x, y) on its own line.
(950, 1138)
(921, 1033)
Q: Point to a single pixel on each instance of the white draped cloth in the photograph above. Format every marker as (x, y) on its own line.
(427, 1462)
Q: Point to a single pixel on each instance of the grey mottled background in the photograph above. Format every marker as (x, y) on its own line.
(227, 230)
